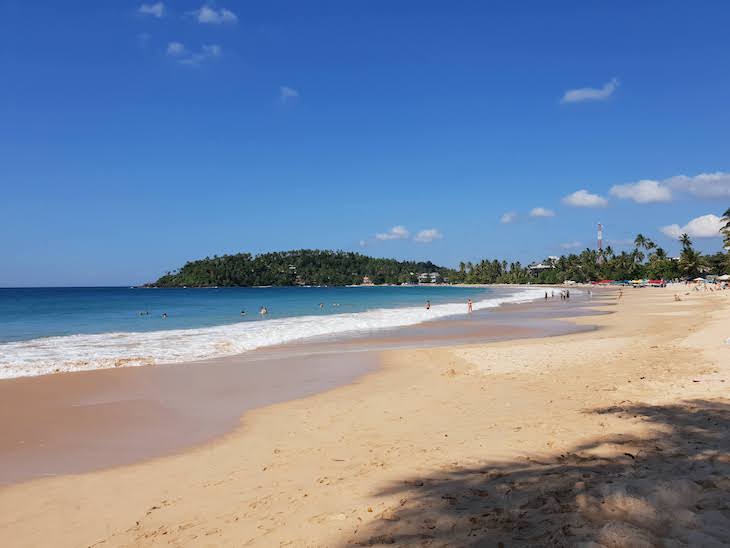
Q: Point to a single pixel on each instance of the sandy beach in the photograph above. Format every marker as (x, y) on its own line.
(617, 436)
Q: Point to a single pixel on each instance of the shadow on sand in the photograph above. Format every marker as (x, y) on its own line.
(668, 488)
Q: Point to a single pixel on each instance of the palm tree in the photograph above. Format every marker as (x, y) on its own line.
(691, 263)
(640, 241)
(685, 241)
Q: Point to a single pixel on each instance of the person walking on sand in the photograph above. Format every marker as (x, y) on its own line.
(469, 306)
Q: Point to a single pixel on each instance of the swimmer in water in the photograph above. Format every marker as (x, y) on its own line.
(263, 311)
(243, 312)
(428, 305)
(164, 315)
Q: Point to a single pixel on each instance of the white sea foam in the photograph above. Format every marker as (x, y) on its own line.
(106, 350)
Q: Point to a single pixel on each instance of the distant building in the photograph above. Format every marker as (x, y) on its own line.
(536, 268)
(429, 278)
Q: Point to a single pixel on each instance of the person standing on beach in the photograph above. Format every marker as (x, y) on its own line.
(546, 295)
(428, 305)
(469, 307)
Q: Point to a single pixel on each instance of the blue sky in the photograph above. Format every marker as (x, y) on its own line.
(137, 135)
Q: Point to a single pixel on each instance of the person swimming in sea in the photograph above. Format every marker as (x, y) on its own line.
(164, 315)
(428, 305)
(264, 311)
(243, 312)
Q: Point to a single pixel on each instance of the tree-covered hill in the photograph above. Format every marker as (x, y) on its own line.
(300, 267)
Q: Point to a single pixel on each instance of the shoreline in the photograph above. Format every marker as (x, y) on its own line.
(619, 433)
(133, 348)
(90, 420)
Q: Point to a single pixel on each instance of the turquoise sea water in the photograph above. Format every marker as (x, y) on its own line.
(44, 312)
(63, 329)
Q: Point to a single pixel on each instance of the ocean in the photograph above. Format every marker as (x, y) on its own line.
(47, 330)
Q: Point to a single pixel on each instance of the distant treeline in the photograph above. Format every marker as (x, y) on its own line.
(300, 267)
(646, 260)
(313, 267)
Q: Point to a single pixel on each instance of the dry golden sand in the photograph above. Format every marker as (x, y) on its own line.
(616, 437)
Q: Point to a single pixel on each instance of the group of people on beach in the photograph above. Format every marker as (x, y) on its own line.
(564, 294)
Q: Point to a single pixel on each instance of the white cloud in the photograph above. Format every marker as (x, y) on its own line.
(428, 235)
(212, 50)
(590, 94)
(706, 226)
(571, 245)
(209, 15)
(583, 198)
(287, 94)
(396, 233)
(155, 10)
(643, 192)
(542, 212)
(175, 49)
(507, 218)
(206, 53)
(704, 185)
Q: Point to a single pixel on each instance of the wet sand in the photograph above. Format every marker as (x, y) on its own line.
(78, 422)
